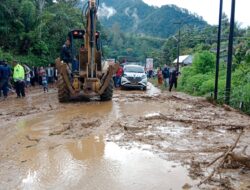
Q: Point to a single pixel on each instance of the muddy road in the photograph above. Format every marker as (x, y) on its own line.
(140, 140)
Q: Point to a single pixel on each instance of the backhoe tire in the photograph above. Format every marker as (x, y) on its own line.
(108, 93)
(63, 91)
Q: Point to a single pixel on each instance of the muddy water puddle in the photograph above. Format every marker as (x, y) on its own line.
(76, 156)
(92, 163)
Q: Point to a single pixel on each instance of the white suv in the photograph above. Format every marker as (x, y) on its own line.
(134, 77)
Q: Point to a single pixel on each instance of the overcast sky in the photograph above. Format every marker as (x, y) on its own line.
(209, 9)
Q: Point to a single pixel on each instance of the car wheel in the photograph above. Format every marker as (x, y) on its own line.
(123, 87)
(108, 93)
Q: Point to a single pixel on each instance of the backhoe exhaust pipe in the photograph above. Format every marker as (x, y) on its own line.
(92, 30)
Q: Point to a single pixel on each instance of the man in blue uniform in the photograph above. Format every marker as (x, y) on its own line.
(1, 68)
(5, 76)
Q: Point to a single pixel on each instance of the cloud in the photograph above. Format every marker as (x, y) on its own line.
(105, 11)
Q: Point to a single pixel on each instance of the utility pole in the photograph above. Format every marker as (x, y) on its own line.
(178, 45)
(218, 53)
(178, 51)
(230, 55)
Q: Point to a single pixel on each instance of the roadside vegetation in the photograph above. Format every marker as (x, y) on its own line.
(199, 78)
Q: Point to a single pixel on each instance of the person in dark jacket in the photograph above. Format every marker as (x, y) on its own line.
(65, 55)
(1, 69)
(32, 76)
(166, 75)
(173, 79)
(5, 76)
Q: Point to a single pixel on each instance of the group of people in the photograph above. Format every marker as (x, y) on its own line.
(23, 76)
(18, 79)
(42, 76)
(169, 77)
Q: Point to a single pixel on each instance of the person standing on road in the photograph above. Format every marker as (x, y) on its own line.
(5, 77)
(44, 79)
(55, 74)
(19, 79)
(118, 77)
(1, 78)
(50, 74)
(28, 79)
(159, 76)
(40, 71)
(36, 70)
(173, 79)
(166, 75)
(32, 76)
(45, 82)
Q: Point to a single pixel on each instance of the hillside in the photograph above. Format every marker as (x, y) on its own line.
(135, 16)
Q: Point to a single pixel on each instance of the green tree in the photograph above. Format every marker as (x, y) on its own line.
(204, 62)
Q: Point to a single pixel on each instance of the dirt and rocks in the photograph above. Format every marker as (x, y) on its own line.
(139, 140)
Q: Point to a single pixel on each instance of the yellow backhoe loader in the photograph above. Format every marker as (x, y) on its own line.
(85, 74)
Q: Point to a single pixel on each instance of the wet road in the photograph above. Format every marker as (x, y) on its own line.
(121, 144)
(92, 163)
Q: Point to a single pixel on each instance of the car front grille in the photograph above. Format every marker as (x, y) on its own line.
(134, 79)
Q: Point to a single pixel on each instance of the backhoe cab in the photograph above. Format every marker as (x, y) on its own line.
(86, 75)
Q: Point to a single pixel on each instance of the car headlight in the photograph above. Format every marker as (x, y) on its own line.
(124, 78)
(124, 75)
(143, 76)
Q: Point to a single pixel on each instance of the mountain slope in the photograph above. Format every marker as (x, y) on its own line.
(135, 16)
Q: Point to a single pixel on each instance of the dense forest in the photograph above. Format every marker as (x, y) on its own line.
(33, 31)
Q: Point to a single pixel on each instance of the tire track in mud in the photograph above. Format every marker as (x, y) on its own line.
(78, 127)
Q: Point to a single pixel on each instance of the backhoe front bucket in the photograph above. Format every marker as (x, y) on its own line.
(108, 77)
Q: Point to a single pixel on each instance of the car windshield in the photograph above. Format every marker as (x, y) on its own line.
(133, 69)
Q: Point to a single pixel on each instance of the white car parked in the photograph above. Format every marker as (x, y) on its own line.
(134, 76)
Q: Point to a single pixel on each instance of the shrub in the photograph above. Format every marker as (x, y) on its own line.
(207, 86)
(204, 62)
